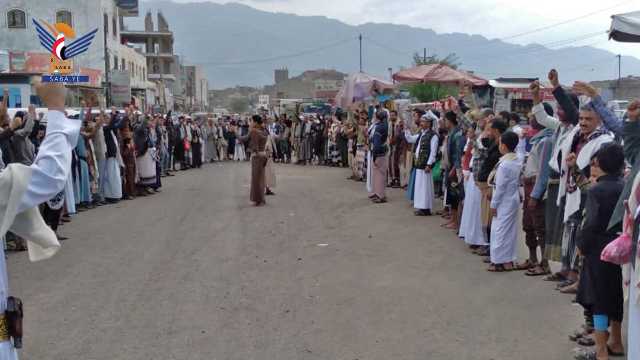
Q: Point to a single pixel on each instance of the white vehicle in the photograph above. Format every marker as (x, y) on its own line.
(619, 107)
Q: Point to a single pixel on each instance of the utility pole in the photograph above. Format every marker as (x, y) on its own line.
(360, 39)
(619, 68)
(424, 58)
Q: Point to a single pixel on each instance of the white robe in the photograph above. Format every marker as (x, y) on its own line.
(23, 188)
(239, 154)
(471, 224)
(572, 203)
(423, 186)
(506, 199)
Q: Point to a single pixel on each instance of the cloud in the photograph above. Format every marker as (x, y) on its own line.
(490, 18)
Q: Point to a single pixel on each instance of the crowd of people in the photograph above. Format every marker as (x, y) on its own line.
(564, 171)
(566, 178)
(569, 174)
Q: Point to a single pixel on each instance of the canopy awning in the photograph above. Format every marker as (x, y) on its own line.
(625, 27)
(438, 73)
(360, 86)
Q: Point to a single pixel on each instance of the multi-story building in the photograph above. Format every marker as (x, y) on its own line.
(162, 64)
(313, 84)
(28, 58)
(196, 87)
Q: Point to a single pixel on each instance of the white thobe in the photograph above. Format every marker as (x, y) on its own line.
(506, 200)
(49, 174)
(472, 211)
(423, 187)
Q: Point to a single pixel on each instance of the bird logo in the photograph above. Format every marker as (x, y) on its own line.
(54, 41)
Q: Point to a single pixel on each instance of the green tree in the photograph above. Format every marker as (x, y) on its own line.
(433, 92)
(452, 60)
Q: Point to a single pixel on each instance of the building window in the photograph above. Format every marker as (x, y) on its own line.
(115, 63)
(64, 16)
(114, 25)
(16, 19)
(123, 65)
(105, 19)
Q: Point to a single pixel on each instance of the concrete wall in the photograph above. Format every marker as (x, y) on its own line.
(136, 64)
(626, 89)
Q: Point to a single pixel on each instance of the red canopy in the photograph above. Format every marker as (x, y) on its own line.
(437, 73)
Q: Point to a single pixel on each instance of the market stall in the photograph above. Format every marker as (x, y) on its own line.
(513, 95)
(360, 87)
(438, 73)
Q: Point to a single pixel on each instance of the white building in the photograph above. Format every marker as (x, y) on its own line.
(28, 58)
(197, 88)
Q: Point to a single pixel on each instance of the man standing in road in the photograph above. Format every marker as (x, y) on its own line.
(23, 188)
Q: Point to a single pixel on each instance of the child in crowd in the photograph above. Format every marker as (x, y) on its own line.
(505, 202)
(600, 290)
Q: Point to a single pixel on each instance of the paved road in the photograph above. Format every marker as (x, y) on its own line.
(197, 273)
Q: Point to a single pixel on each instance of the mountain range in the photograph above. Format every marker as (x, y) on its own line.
(239, 45)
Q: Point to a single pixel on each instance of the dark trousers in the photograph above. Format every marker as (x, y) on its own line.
(394, 163)
(533, 222)
(51, 217)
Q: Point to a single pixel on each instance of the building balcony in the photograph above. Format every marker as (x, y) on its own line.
(143, 35)
(158, 55)
(170, 77)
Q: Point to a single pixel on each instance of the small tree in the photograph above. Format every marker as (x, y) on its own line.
(433, 92)
(452, 60)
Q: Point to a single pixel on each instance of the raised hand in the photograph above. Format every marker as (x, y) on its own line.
(52, 95)
(535, 91)
(16, 123)
(583, 88)
(553, 78)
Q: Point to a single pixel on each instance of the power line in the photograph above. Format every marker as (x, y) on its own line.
(555, 45)
(592, 64)
(280, 57)
(562, 22)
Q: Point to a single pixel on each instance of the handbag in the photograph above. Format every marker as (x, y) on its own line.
(187, 145)
(619, 250)
(436, 172)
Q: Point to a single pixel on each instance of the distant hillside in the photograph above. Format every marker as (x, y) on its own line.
(239, 45)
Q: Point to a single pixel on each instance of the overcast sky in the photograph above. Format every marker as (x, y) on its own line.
(490, 18)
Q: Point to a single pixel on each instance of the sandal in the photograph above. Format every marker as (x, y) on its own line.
(586, 341)
(526, 265)
(584, 354)
(378, 200)
(565, 284)
(579, 334)
(483, 252)
(486, 260)
(497, 268)
(556, 277)
(571, 289)
(538, 270)
(613, 353)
